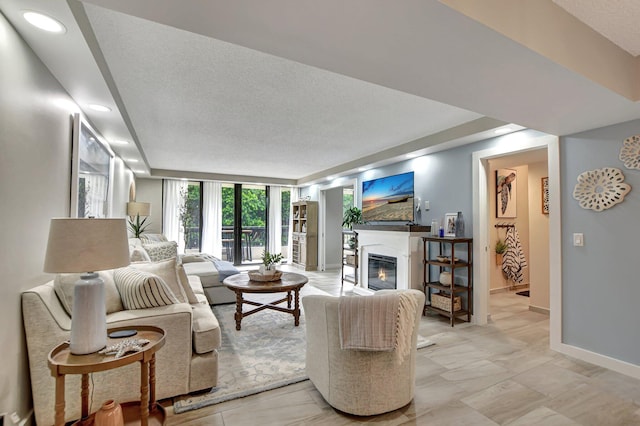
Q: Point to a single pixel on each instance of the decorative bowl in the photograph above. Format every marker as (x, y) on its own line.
(446, 259)
(266, 277)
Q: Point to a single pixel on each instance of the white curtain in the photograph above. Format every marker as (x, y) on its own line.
(212, 219)
(96, 190)
(275, 219)
(172, 228)
(295, 196)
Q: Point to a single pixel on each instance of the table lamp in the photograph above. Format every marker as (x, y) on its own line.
(86, 246)
(135, 210)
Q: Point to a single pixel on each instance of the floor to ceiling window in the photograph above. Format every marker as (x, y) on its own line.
(285, 206)
(191, 216)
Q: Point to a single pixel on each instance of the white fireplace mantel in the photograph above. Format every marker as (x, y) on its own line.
(402, 242)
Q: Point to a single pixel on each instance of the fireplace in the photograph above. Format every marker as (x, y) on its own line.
(382, 272)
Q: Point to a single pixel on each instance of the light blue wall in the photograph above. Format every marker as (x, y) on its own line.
(601, 288)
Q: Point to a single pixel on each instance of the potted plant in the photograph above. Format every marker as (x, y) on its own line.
(269, 260)
(500, 248)
(138, 226)
(352, 216)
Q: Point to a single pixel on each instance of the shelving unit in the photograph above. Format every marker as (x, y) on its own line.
(350, 257)
(305, 235)
(452, 265)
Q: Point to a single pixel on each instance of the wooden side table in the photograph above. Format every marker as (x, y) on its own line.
(145, 412)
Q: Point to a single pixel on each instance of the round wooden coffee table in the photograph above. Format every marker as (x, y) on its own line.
(288, 282)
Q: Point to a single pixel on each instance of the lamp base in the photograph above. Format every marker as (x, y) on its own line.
(89, 317)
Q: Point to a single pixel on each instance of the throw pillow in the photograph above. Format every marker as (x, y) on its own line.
(140, 290)
(167, 270)
(138, 254)
(161, 251)
(184, 281)
(63, 285)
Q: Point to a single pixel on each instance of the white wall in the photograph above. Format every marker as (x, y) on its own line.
(333, 228)
(35, 143)
(150, 191)
(538, 240)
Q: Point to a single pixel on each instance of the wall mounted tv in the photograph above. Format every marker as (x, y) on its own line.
(388, 199)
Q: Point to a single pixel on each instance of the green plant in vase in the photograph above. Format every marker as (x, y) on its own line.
(269, 260)
(138, 226)
(500, 248)
(352, 216)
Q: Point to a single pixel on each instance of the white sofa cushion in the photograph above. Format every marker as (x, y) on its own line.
(206, 330)
(140, 289)
(64, 284)
(186, 285)
(167, 270)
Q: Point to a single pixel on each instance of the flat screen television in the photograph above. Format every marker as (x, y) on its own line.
(388, 199)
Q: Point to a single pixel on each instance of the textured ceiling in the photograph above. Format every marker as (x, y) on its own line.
(252, 91)
(616, 20)
(202, 99)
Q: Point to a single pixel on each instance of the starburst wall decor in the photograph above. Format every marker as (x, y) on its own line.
(601, 189)
(630, 152)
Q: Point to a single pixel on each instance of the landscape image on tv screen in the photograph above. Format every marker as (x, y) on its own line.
(388, 199)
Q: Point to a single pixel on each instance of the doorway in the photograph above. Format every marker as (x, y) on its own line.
(333, 200)
(512, 144)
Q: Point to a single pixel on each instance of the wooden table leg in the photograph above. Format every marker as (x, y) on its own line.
(85, 397)
(60, 400)
(152, 383)
(238, 315)
(296, 309)
(144, 393)
(289, 299)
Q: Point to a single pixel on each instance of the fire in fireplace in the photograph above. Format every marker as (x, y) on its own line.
(382, 272)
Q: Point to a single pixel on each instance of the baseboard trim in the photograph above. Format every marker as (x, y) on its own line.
(617, 365)
(540, 310)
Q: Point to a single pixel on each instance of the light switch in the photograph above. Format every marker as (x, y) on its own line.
(426, 205)
(578, 240)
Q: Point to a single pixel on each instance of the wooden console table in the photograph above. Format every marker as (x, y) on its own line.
(145, 412)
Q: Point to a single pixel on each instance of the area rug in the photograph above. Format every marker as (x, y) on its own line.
(268, 353)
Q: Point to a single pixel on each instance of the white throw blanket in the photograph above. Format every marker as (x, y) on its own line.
(377, 323)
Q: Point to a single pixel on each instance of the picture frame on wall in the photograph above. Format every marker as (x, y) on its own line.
(545, 194)
(450, 224)
(506, 193)
(91, 172)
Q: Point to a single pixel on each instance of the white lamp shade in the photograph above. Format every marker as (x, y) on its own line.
(86, 245)
(135, 208)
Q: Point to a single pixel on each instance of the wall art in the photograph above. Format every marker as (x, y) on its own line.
(506, 193)
(545, 195)
(600, 189)
(91, 172)
(630, 152)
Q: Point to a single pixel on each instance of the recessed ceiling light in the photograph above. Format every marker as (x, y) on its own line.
(44, 22)
(411, 155)
(132, 160)
(138, 171)
(120, 142)
(100, 108)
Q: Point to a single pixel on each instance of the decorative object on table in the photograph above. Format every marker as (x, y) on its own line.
(500, 248)
(122, 333)
(134, 211)
(445, 278)
(459, 225)
(434, 228)
(601, 189)
(352, 216)
(545, 195)
(630, 152)
(86, 246)
(124, 347)
(110, 414)
(446, 259)
(450, 224)
(506, 193)
(266, 276)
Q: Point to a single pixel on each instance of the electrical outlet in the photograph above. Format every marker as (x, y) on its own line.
(578, 240)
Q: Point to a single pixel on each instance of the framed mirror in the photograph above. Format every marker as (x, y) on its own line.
(91, 172)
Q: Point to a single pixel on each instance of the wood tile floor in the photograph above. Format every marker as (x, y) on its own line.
(500, 374)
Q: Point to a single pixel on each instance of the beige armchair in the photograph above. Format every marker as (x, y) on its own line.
(358, 382)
